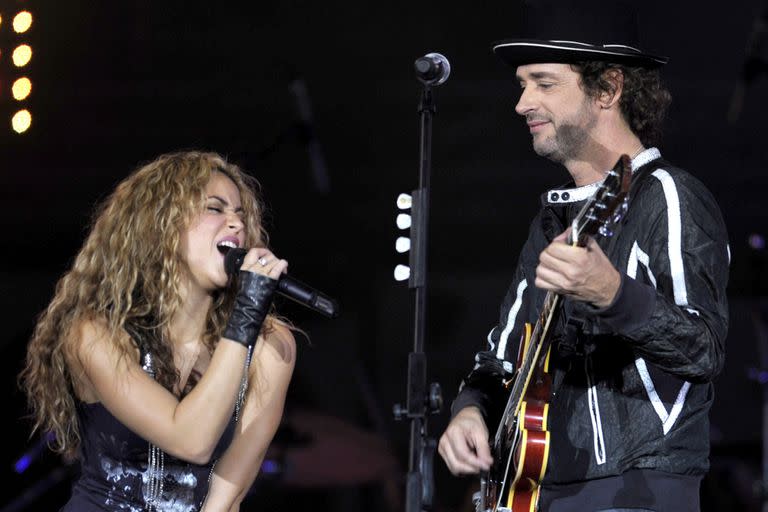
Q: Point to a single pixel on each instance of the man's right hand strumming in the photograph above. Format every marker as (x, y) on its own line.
(464, 444)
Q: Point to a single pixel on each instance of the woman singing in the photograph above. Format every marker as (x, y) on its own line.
(164, 376)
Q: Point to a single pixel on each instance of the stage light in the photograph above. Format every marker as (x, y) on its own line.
(22, 22)
(21, 121)
(22, 55)
(21, 88)
(18, 78)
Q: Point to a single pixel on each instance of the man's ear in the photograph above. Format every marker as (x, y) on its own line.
(615, 79)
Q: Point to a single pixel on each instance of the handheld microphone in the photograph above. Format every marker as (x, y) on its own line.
(288, 287)
(432, 68)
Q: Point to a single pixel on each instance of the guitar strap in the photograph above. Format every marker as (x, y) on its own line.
(568, 343)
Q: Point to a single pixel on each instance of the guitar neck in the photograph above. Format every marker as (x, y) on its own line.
(532, 353)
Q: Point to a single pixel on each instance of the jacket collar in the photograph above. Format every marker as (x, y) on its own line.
(571, 194)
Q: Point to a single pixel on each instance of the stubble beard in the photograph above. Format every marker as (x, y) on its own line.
(570, 139)
(567, 143)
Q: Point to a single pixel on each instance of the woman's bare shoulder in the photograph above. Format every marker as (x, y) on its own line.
(95, 348)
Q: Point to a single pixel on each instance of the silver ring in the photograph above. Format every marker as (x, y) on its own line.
(263, 261)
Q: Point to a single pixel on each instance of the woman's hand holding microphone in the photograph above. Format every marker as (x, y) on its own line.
(259, 273)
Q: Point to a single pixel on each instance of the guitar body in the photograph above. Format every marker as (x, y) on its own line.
(528, 445)
(531, 456)
(520, 447)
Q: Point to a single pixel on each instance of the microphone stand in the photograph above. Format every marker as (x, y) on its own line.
(420, 400)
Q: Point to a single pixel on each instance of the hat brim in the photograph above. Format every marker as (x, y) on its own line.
(517, 52)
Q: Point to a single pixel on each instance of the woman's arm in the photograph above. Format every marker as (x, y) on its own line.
(188, 428)
(271, 369)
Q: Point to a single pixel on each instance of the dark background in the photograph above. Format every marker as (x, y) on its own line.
(117, 83)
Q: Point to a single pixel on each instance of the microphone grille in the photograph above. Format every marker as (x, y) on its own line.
(234, 260)
(440, 73)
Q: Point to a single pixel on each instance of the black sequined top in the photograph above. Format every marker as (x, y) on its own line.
(114, 463)
(115, 468)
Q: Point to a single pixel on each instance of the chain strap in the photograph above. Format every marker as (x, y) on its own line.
(243, 385)
(155, 456)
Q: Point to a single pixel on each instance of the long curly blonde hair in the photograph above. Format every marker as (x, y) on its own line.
(129, 272)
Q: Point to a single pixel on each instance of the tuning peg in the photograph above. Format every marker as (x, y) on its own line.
(404, 201)
(403, 221)
(605, 231)
(402, 272)
(403, 244)
(620, 211)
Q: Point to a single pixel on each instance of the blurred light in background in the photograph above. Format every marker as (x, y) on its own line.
(22, 22)
(16, 79)
(22, 55)
(21, 121)
(756, 241)
(21, 88)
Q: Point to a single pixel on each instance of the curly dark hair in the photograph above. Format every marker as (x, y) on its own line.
(644, 99)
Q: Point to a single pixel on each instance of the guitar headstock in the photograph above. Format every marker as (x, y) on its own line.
(607, 205)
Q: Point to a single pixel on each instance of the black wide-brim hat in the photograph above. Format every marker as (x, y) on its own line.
(571, 31)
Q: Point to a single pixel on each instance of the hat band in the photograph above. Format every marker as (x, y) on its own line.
(614, 49)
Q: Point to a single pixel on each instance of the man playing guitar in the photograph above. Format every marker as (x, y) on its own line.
(640, 331)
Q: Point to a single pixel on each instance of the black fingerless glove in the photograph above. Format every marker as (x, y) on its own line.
(251, 307)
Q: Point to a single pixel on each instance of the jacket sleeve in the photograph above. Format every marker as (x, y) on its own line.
(484, 387)
(672, 305)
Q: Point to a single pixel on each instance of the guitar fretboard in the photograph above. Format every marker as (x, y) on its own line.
(551, 301)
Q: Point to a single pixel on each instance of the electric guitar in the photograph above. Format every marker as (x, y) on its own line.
(520, 447)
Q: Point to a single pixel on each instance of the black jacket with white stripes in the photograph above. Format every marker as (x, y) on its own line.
(633, 381)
